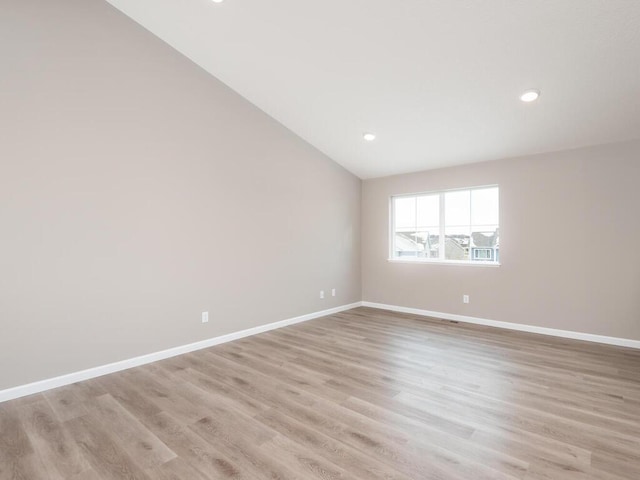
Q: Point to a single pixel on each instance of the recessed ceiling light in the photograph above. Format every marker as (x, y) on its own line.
(530, 96)
(217, 1)
(369, 137)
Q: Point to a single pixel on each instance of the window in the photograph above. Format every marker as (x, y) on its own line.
(459, 226)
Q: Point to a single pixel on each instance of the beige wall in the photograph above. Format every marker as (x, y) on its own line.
(570, 224)
(136, 191)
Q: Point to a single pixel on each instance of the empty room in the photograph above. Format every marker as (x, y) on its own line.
(350, 239)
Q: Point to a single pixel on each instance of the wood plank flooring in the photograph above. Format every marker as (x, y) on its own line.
(364, 394)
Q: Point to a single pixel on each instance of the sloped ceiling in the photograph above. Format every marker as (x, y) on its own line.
(438, 81)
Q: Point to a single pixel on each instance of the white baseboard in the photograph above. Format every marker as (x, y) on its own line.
(48, 384)
(620, 342)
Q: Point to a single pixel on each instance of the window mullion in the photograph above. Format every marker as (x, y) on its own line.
(470, 224)
(441, 253)
(415, 226)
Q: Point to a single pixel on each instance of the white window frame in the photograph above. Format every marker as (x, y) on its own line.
(441, 260)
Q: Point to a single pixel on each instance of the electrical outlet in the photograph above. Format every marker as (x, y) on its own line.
(321, 293)
(205, 317)
(333, 292)
(465, 299)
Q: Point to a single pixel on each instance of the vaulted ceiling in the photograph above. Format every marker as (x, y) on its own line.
(437, 81)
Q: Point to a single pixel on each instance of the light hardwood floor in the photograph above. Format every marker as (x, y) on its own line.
(364, 394)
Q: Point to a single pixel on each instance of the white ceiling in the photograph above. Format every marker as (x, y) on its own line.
(438, 81)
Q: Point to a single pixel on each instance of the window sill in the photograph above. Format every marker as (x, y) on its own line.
(444, 262)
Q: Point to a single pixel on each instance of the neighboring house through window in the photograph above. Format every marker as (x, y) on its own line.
(459, 226)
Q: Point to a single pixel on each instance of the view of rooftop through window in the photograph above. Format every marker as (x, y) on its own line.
(457, 225)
